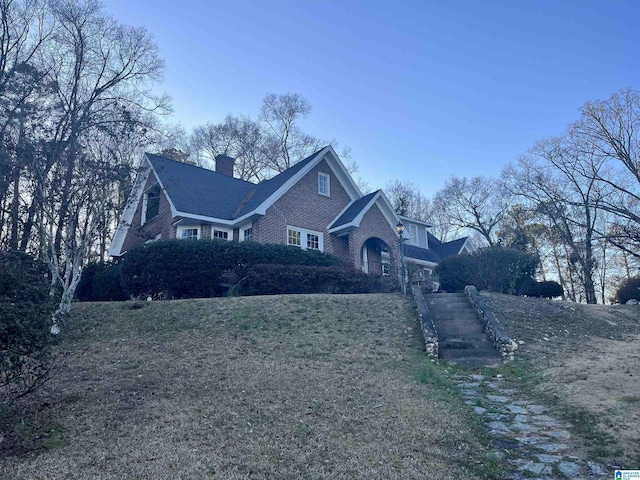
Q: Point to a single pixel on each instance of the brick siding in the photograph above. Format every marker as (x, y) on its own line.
(162, 224)
(302, 206)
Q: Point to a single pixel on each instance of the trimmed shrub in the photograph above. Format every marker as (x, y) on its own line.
(455, 273)
(545, 289)
(106, 285)
(187, 269)
(289, 279)
(497, 269)
(26, 309)
(503, 270)
(628, 289)
(101, 282)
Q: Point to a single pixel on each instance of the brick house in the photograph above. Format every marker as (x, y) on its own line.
(315, 204)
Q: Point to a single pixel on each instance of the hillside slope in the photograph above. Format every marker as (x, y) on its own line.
(309, 386)
(585, 360)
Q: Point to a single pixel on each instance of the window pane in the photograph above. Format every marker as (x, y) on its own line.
(248, 234)
(293, 238)
(153, 203)
(313, 242)
(221, 234)
(323, 184)
(190, 234)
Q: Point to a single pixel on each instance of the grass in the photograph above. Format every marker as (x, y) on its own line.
(580, 361)
(265, 387)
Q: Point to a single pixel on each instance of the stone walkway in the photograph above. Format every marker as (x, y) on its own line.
(527, 435)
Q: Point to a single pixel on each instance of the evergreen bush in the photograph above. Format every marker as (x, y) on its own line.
(275, 279)
(184, 268)
(544, 289)
(26, 308)
(497, 269)
(629, 289)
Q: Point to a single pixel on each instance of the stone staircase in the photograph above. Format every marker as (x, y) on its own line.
(461, 336)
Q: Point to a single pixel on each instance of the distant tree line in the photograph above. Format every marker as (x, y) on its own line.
(572, 200)
(77, 111)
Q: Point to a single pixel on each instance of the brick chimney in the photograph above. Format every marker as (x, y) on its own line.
(224, 165)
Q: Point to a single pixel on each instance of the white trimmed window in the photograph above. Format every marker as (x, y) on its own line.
(324, 184)
(188, 233)
(221, 234)
(305, 239)
(247, 234)
(413, 229)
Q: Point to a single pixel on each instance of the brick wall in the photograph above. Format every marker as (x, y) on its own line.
(162, 224)
(302, 206)
(373, 224)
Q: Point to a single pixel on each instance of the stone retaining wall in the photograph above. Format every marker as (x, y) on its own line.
(501, 340)
(428, 329)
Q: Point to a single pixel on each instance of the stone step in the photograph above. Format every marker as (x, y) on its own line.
(473, 362)
(449, 316)
(459, 329)
(452, 353)
(478, 341)
(449, 304)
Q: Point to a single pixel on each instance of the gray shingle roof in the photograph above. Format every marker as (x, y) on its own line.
(419, 253)
(445, 249)
(199, 191)
(350, 214)
(268, 187)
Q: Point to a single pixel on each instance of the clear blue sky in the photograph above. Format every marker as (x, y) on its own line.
(420, 90)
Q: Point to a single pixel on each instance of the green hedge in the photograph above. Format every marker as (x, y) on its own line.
(628, 289)
(101, 282)
(544, 289)
(497, 269)
(196, 268)
(26, 308)
(290, 279)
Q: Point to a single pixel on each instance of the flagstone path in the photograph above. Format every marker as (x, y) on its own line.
(527, 435)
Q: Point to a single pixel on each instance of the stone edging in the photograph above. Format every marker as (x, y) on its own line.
(501, 340)
(428, 329)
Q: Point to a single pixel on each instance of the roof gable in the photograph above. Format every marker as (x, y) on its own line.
(197, 191)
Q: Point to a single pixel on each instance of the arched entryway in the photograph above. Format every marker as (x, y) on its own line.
(374, 257)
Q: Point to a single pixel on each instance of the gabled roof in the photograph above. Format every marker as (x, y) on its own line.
(353, 214)
(199, 191)
(206, 196)
(419, 253)
(355, 209)
(269, 187)
(446, 249)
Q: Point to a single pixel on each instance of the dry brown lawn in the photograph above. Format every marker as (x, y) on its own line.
(588, 363)
(312, 387)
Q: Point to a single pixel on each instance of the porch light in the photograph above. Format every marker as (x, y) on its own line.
(400, 230)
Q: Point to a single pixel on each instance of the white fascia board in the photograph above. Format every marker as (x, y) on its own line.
(343, 175)
(115, 249)
(336, 166)
(389, 213)
(413, 220)
(423, 263)
(355, 223)
(465, 244)
(245, 219)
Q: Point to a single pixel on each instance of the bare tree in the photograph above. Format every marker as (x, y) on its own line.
(69, 75)
(477, 204)
(285, 143)
(611, 129)
(407, 200)
(556, 177)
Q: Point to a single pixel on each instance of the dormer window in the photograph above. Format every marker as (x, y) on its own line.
(151, 204)
(324, 184)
